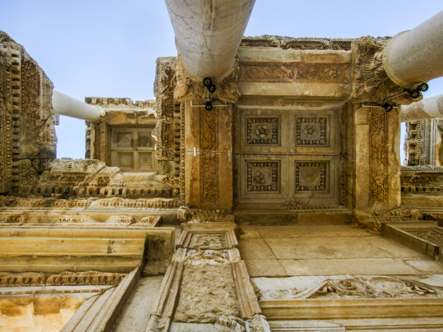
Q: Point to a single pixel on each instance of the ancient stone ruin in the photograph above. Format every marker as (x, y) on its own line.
(262, 189)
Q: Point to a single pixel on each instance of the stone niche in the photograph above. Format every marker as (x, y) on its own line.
(290, 131)
(123, 136)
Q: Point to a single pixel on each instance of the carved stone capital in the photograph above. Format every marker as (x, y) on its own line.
(370, 80)
(188, 88)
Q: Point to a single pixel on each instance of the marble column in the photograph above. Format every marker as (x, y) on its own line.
(415, 56)
(208, 34)
(74, 108)
(428, 108)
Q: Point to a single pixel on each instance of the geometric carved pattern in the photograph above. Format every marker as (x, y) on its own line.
(311, 131)
(262, 130)
(263, 176)
(310, 176)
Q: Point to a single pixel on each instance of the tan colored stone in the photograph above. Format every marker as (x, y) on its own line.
(249, 232)
(255, 248)
(427, 266)
(308, 231)
(265, 267)
(369, 266)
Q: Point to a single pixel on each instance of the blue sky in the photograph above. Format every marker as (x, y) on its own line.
(108, 48)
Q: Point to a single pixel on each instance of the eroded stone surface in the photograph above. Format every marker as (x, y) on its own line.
(38, 313)
(203, 289)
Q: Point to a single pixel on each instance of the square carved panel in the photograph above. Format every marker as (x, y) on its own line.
(311, 176)
(262, 130)
(144, 140)
(145, 159)
(312, 131)
(125, 159)
(124, 139)
(263, 176)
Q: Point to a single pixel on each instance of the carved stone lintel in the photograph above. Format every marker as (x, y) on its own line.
(187, 88)
(371, 83)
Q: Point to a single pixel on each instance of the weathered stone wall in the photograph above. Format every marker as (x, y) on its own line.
(27, 135)
(423, 142)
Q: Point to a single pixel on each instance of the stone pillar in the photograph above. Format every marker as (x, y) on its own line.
(415, 56)
(208, 34)
(208, 158)
(377, 164)
(207, 286)
(428, 108)
(74, 108)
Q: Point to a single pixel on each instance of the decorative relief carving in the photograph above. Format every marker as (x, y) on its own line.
(163, 135)
(376, 287)
(188, 88)
(263, 176)
(324, 72)
(121, 103)
(214, 241)
(75, 219)
(295, 205)
(199, 256)
(92, 178)
(141, 203)
(28, 176)
(378, 156)
(26, 118)
(84, 278)
(372, 221)
(13, 219)
(295, 72)
(262, 130)
(297, 43)
(258, 323)
(62, 279)
(433, 235)
(371, 287)
(294, 101)
(209, 158)
(305, 44)
(230, 324)
(311, 176)
(422, 178)
(312, 131)
(188, 215)
(371, 83)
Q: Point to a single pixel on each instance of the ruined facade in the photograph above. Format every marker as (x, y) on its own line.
(282, 207)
